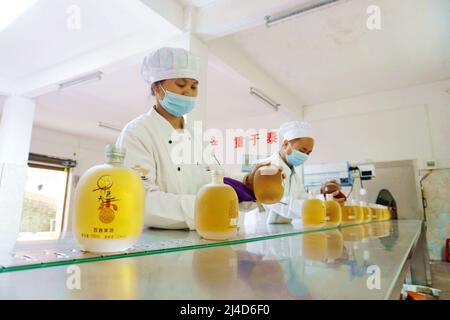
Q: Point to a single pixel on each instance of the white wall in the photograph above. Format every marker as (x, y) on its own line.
(230, 106)
(409, 123)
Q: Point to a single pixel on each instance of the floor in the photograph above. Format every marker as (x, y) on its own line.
(440, 275)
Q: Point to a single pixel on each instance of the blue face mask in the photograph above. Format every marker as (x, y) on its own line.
(177, 104)
(296, 158)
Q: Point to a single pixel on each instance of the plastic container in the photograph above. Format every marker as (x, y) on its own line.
(109, 205)
(216, 209)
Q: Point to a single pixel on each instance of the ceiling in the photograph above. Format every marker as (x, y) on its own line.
(322, 56)
(196, 3)
(53, 42)
(116, 99)
(330, 54)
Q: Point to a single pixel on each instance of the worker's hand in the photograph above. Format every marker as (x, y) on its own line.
(330, 186)
(248, 180)
(339, 197)
(333, 187)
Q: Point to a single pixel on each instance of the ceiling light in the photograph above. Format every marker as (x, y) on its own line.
(109, 126)
(270, 20)
(265, 98)
(10, 10)
(96, 76)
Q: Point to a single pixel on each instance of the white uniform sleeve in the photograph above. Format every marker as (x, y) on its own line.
(291, 210)
(162, 210)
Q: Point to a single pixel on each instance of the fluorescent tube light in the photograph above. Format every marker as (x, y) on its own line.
(109, 126)
(270, 20)
(265, 98)
(96, 76)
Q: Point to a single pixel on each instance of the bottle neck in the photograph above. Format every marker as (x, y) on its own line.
(114, 160)
(217, 179)
(312, 195)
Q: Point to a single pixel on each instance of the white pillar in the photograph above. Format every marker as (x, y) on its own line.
(197, 47)
(15, 137)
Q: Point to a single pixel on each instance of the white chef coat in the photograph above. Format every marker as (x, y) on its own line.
(290, 205)
(170, 188)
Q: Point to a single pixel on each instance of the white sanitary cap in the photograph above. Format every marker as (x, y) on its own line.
(169, 63)
(295, 129)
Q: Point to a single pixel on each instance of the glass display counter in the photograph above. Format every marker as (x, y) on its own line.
(263, 261)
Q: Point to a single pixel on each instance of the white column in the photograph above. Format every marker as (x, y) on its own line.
(198, 48)
(15, 137)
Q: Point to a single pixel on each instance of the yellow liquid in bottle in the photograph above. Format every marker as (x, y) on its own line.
(268, 185)
(216, 211)
(315, 246)
(367, 214)
(377, 214)
(352, 214)
(387, 214)
(109, 209)
(390, 214)
(313, 213)
(333, 213)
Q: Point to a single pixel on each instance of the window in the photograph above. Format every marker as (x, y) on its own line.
(44, 204)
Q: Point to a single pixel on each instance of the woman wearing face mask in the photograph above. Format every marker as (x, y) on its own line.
(295, 150)
(170, 187)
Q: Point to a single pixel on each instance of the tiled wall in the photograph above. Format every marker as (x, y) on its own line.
(437, 192)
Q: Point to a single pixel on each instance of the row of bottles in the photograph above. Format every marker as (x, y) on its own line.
(318, 213)
(109, 205)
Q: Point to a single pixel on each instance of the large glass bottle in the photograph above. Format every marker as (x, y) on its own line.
(109, 205)
(367, 213)
(352, 213)
(333, 211)
(377, 213)
(313, 211)
(216, 209)
(268, 185)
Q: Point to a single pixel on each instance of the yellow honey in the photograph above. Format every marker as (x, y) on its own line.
(333, 212)
(313, 211)
(352, 213)
(216, 209)
(268, 185)
(109, 205)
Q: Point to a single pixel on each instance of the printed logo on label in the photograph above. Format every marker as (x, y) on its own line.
(107, 209)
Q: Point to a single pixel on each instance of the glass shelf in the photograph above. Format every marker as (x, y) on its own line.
(262, 262)
(65, 251)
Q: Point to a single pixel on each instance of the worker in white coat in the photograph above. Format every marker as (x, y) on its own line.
(298, 143)
(171, 187)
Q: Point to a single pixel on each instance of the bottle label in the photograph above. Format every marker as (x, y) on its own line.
(232, 213)
(107, 209)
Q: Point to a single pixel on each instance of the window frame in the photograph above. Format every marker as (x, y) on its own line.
(51, 163)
